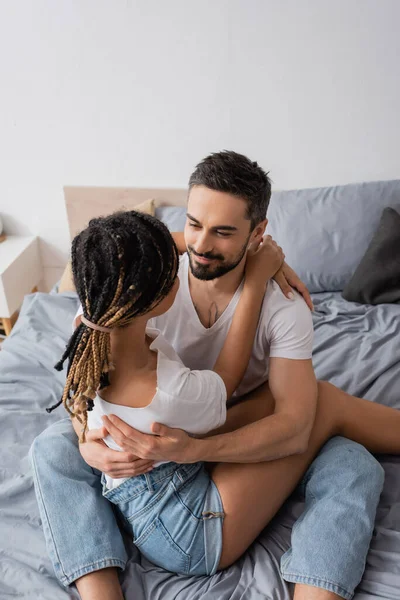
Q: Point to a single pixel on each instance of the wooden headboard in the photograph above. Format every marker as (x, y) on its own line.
(84, 203)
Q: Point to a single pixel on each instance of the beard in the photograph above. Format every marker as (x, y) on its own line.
(213, 271)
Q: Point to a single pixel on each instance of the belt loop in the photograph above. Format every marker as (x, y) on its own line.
(149, 483)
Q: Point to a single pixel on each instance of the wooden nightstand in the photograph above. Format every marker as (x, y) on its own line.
(20, 273)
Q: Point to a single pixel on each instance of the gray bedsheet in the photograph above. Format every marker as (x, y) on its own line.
(356, 347)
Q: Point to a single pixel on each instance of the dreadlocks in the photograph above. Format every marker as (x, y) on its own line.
(123, 266)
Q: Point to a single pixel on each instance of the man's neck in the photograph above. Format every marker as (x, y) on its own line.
(210, 298)
(220, 286)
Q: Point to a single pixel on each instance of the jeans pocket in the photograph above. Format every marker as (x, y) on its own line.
(157, 545)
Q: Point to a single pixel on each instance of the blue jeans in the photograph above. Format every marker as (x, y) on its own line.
(329, 542)
(174, 514)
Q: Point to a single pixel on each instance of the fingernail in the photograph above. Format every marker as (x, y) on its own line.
(290, 296)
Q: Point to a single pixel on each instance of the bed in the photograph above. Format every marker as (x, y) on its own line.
(357, 347)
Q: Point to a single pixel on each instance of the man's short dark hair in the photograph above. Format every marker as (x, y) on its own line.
(235, 174)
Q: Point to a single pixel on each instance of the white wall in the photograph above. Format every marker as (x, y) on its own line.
(135, 92)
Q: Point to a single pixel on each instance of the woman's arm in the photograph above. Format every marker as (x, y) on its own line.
(234, 357)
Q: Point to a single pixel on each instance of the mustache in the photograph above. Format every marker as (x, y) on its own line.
(208, 255)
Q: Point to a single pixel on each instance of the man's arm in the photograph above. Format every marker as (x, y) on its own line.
(294, 388)
(179, 240)
(67, 280)
(286, 432)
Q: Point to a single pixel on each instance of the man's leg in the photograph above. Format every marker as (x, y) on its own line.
(330, 540)
(342, 485)
(69, 491)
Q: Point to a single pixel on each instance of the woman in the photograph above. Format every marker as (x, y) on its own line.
(125, 270)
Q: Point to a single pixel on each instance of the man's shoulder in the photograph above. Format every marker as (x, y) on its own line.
(275, 301)
(281, 315)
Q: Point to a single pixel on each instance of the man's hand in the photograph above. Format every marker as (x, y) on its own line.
(285, 278)
(167, 443)
(114, 463)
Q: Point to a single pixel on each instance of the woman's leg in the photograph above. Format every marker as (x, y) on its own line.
(342, 489)
(357, 419)
(252, 493)
(375, 426)
(100, 585)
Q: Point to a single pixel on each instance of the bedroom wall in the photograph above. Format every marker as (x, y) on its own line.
(135, 92)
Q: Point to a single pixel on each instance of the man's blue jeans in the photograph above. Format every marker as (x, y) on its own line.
(329, 541)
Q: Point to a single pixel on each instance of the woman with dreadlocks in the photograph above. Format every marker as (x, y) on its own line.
(125, 270)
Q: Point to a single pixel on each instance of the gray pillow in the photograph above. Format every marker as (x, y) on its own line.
(174, 217)
(377, 277)
(325, 232)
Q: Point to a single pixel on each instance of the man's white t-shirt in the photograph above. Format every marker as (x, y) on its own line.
(284, 330)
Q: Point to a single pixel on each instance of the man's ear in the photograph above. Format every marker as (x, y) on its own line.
(258, 231)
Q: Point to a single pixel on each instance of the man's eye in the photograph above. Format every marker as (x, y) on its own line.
(222, 234)
(194, 225)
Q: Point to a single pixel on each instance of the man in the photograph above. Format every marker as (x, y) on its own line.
(228, 199)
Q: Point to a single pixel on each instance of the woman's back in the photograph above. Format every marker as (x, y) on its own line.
(177, 397)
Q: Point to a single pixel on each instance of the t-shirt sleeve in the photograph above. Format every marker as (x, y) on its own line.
(205, 392)
(290, 331)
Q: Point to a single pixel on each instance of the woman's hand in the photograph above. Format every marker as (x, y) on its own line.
(287, 279)
(114, 463)
(263, 260)
(284, 275)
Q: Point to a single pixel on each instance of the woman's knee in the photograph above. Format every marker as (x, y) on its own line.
(329, 406)
(346, 465)
(53, 442)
